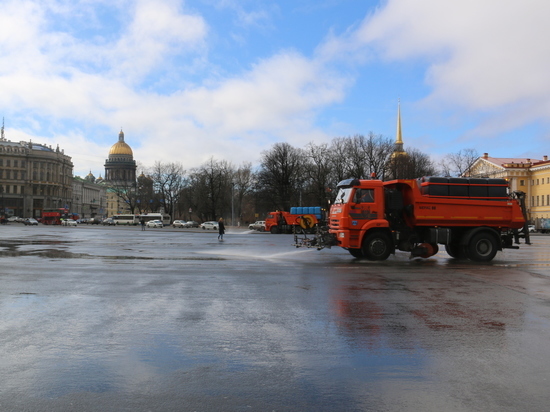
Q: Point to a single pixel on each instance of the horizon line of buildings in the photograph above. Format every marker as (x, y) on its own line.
(35, 177)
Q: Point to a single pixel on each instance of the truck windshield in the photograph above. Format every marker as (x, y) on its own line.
(343, 195)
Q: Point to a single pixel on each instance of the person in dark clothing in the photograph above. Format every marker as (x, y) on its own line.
(221, 229)
(142, 223)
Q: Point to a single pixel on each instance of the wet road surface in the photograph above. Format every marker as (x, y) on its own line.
(111, 318)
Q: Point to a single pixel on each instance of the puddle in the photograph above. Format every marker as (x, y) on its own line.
(15, 248)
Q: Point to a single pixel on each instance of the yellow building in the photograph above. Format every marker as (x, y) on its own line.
(116, 204)
(530, 176)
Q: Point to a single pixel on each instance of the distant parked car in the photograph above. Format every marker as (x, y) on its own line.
(154, 223)
(69, 222)
(13, 219)
(532, 228)
(191, 223)
(30, 222)
(258, 225)
(209, 225)
(94, 221)
(178, 223)
(108, 222)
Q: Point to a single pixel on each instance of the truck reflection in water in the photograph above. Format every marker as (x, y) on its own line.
(428, 311)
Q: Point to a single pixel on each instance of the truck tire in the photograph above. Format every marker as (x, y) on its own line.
(376, 246)
(356, 253)
(482, 247)
(274, 230)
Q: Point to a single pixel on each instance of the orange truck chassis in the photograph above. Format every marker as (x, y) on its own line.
(472, 218)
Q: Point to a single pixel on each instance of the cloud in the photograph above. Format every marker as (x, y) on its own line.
(483, 56)
(68, 82)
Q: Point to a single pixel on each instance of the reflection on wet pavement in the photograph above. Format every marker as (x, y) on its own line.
(98, 319)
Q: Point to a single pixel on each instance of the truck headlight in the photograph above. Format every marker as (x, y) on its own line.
(341, 234)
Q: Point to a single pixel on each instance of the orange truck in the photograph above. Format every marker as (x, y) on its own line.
(473, 218)
(298, 220)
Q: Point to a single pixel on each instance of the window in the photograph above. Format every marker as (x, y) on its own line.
(522, 182)
(15, 163)
(364, 196)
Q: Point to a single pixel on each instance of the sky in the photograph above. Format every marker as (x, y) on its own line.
(192, 80)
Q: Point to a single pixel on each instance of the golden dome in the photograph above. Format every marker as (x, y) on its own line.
(121, 147)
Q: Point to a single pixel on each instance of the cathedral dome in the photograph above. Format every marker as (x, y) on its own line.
(121, 147)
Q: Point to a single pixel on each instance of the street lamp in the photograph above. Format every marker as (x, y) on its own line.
(232, 208)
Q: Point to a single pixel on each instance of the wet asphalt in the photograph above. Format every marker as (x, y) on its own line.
(115, 319)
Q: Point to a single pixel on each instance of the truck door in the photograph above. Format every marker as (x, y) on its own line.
(364, 207)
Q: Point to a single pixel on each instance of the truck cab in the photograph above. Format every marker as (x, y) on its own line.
(358, 209)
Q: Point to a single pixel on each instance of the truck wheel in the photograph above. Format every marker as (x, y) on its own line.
(482, 247)
(274, 230)
(376, 246)
(356, 253)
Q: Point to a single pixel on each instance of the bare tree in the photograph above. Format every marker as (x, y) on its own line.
(280, 177)
(168, 182)
(319, 172)
(241, 190)
(209, 191)
(364, 156)
(126, 191)
(338, 160)
(376, 151)
(145, 194)
(456, 164)
(411, 165)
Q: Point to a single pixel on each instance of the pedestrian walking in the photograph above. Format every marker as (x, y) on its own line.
(221, 229)
(142, 223)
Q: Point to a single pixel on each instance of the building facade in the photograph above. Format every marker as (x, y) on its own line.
(531, 176)
(33, 177)
(120, 177)
(89, 197)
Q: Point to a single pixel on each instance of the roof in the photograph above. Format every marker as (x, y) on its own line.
(501, 161)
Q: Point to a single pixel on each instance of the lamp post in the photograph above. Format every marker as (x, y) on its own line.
(2, 210)
(232, 208)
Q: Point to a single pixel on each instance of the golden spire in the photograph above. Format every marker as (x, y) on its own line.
(398, 135)
(398, 145)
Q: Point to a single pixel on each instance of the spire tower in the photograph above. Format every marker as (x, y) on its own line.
(398, 146)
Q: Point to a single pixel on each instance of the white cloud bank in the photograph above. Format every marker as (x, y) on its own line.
(489, 56)
(71, 76)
